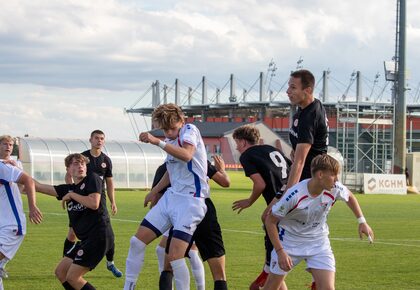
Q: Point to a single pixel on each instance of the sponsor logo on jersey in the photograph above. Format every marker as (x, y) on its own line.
(75, 207)
(82, 186)
(103, 165)
(296, 122)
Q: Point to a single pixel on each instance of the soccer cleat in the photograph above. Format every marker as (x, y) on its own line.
(259, 282)
(3, 274)
(117, 273)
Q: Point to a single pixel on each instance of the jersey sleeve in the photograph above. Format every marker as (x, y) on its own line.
(190, 135)
(247, 164)
(286, 203)
(9, 172)
(341, 191)
(62, 190)
(211, 170)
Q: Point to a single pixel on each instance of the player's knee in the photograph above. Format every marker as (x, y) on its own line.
(60, 274)
(136, 245)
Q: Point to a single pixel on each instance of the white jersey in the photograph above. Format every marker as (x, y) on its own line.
(188, 178)
(303, 216)
(11, 209)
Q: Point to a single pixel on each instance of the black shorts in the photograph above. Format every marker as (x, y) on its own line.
(208, 235)
(90, 251)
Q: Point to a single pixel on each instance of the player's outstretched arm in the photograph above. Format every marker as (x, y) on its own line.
(364, 228)
(91, 201)
(257, 189)
(35, 215)
(45, 188)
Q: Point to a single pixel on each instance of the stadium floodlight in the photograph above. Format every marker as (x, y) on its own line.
(390, 73)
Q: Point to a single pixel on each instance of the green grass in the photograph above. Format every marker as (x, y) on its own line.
(390, 263)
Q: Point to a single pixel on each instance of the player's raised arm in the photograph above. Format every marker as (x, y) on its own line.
(220, 177)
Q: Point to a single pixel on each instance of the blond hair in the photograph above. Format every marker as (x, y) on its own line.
(325, 162)
(7, 138)
(167, 115)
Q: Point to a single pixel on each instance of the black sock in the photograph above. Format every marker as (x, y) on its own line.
(67, 286)
(165, 280)
(67, 246)
(110, 254)
(220, 285)
(88, 286)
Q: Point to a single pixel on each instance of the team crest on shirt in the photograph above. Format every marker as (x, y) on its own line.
(103, 165)
(80, 252)
(82, 186)
(296, 122)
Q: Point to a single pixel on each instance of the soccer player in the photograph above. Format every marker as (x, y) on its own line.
(297, 225)
(309, 132)
(88, 218)
(183, 205)
(208, 239)
(12, 217)
(268, 169)
(101, 164)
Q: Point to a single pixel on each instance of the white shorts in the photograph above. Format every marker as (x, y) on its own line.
(323, 260)
(182, 212)
(9, 241)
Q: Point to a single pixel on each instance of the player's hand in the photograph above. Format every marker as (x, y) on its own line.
(35, 215)
(146, 137)
(65, 199)
(284, 260)
(219, 163)
(364, 228)
(114, 208)
(151, 198)
(68, 178)
(241, 204)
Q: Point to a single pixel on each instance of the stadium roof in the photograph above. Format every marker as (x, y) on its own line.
(209, 129)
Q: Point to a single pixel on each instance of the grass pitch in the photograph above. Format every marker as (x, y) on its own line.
(392, 262)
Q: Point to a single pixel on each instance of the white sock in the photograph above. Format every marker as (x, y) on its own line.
(134, 262)
(1, 284)
(3, 262)
(109, 263)
(181, 274)
(266, 268)
(160, 252)
(197, 269)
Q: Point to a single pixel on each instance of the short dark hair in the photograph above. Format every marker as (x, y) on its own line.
(306, 77)
(250, 133)
(97, 131)
(75, 156)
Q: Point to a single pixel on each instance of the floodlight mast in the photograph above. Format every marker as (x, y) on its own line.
(400, 106)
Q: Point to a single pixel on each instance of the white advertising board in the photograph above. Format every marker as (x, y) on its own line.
(384, 184)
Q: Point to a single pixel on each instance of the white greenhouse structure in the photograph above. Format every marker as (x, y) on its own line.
(133, 163)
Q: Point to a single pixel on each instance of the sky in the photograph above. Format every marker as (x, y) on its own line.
(68, 67)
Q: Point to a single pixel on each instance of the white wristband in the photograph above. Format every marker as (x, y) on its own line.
(162, 144)
(361, 220)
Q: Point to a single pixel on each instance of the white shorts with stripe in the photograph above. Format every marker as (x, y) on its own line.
(182, 212)
(9, 241)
